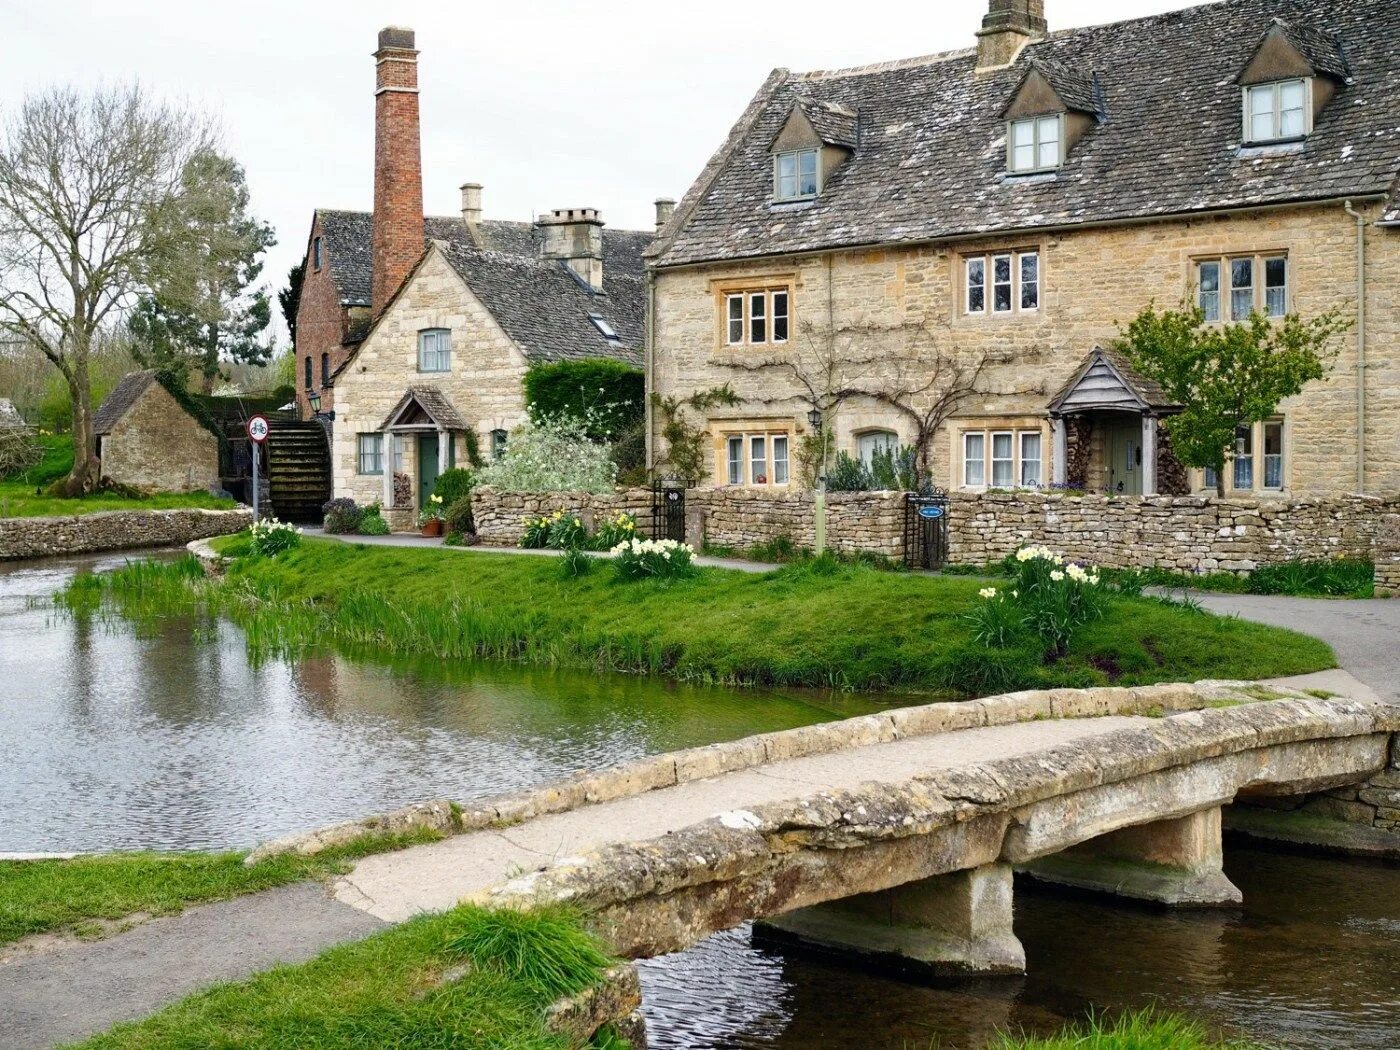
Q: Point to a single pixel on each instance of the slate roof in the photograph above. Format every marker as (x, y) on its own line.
(1075, 87)
(834, 124)
(434, 402)
(116, 404)
(1148, 391)
(1322, 50)
(931, 161)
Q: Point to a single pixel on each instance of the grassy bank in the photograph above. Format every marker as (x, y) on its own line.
(808, 625)
(25, 496)
(1147, 1030)
(84, 894)
(390, 990)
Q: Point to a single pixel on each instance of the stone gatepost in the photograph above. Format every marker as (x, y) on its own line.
(955, 925)
(1173, 862)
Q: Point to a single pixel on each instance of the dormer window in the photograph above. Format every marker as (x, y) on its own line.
(1035, 144)
(1277, 112)
(795, 174)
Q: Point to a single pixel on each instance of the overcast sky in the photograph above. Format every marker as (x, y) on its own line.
(549, 104)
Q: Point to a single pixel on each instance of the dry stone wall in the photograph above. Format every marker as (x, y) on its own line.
(1184, 533)
(1388, 557)
(114, 530)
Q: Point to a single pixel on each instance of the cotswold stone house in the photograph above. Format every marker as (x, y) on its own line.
(147, 439)
(415, 332)
(987, 219)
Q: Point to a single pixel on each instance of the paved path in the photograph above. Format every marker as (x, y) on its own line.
(74, 989)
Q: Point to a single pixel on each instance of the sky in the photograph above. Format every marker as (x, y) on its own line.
(608, 104)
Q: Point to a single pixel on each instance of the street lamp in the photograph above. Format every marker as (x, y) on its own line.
(814, 417)
(314, 400)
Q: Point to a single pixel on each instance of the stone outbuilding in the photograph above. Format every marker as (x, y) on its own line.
(149, 439)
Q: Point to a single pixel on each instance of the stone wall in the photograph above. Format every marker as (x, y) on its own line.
(157, 446)
(1388, 557)
(1188, 534)
(114, 530)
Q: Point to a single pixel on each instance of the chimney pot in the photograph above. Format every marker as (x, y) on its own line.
(1008, 26)
(396, 228)
(665, 208)
(575, 236)
(471, 203)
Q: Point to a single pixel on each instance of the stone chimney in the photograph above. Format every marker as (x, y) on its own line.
(397, 235)
(575, 236)
(471, 203)
(665, 208)
(1009, 26)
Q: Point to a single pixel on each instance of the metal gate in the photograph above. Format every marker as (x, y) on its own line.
(668, 513)
(926, 530)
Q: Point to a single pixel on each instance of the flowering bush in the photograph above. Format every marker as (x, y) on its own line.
(1048, 597)
(552, 454)
(433, 511)
(536, 534)
(654, 559)
(560, 531)
(614, 531)
(271, 537)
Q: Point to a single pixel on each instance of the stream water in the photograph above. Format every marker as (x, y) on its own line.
(112, 738)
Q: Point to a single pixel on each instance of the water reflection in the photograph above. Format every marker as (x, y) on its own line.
(170, 738)
(1312, 960)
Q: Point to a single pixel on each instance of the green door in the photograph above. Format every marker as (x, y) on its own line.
(428, 468)
(1123, 447)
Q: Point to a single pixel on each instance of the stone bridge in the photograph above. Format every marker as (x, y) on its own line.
(895, 836)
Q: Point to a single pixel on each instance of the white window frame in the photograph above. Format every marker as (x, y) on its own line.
(797, 155)
(739, 461)
(1274, 92)
(988, 285)
(1259, 459)
(443, 353)
(775, 303)
(1038, 126)
(369, 447)
(988, 458)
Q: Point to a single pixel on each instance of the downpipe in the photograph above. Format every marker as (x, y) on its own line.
(1360, 346)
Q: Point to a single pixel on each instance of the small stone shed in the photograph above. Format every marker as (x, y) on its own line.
(150, 436)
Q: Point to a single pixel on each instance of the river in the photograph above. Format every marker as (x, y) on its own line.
(172, 738)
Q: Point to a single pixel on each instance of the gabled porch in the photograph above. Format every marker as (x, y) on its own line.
(419, 436)
(1105, 435)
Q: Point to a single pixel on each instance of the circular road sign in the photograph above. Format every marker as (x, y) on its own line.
(258, 428)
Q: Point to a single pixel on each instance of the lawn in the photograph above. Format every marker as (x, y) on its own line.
(815, 624)
(23, 496)
(46, 896)
(389, 990)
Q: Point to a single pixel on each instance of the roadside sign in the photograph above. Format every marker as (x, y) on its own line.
(258, 428)
(930, 512)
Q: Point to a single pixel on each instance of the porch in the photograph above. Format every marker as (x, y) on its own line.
(419, 443)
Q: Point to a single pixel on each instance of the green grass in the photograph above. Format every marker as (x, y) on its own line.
(1144, 1030)
(25, 496)
(1322, 578)
(46, 896)
(814, 624)
(388, 991)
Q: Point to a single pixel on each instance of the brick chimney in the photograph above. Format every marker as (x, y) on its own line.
(397, 236)
(665, 208)
(575, 236)
(1008, 26)
(471, 203)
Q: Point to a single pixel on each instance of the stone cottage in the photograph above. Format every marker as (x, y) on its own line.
(147, 439)
(414, 332)
(956, 240)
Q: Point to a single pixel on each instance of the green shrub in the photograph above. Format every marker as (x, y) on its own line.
(372, 523)
(654, 559)
(552, 455)
(847, 475)
(459, 516)
(271, 537)
(341, 516)
(453, 485)
(536, 534)
(610, 392)
(566, 532)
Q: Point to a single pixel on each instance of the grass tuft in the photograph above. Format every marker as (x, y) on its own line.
(546, 950)
(1142, 1030)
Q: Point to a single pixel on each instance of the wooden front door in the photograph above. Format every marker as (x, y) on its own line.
(428, 467)
(1123, 448)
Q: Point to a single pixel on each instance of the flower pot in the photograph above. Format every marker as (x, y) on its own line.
(433, 527)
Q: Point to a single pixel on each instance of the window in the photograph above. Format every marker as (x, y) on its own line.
(795, 174)
(757, 318)
(498, 444)
(1208, 285)
(1258, 459)
(371, 453)
(974, 460)
(316, 253)
(435, 350)
(868, 444)
(1244, 458)
(1014, 279)
(399, 444)
(606, 330)
(1030, 459)
(1273, 454)
(1002, 459)
(757, 459)
(307, 362)
(1236, 281)
(1033, 144)
(1276, 112)
(325, 369)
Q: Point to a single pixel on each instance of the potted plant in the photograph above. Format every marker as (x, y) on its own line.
(430, 519)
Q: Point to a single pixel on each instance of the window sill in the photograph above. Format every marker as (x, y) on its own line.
(1272, 148)
(1015, 178)
(791, 204)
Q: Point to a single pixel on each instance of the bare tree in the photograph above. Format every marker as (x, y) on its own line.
(89, 203)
